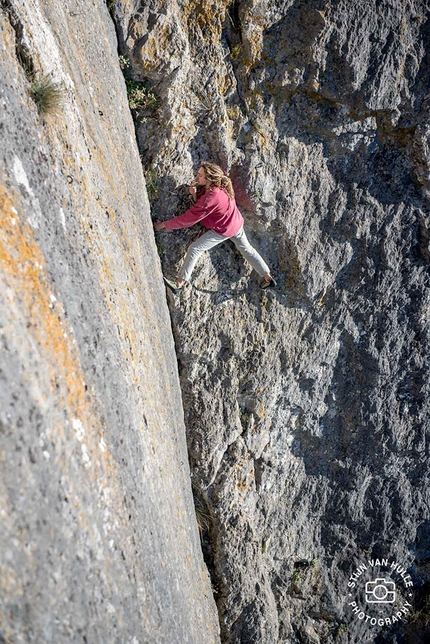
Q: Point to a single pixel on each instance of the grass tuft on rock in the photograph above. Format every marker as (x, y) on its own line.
(47, 94)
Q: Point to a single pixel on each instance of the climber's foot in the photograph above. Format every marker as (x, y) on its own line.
(174, 285)
(268, 282)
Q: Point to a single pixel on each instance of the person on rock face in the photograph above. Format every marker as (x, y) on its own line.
(215, 206)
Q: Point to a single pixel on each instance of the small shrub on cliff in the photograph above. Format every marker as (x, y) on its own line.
(46, 93)
(296, 576)
(160, 250)
(124, 62)
(151, 185)
(204, 520)
(139, 97)
(423, 614)
(233, 112)
(236, 51)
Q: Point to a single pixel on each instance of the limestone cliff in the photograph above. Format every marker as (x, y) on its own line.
(99, 541)
(307, 408)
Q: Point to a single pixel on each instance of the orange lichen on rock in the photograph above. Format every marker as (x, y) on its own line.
(254, 22)
(23, 265)
(208, 16)
(38, 325)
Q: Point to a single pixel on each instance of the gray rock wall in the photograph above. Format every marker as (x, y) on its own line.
(306, 408)
(99, 541)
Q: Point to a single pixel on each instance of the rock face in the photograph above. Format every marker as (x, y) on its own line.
(99, 540)
(307, 408)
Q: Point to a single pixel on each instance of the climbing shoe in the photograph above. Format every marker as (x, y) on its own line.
(171, 284)
(270, 284)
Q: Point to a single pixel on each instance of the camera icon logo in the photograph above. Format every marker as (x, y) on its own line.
(380, 591)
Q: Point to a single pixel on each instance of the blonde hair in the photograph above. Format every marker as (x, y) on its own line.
(215, 175)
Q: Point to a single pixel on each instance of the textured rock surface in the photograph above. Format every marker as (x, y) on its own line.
(99, 541)
(307, 408)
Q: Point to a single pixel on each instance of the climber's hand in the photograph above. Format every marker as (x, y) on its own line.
(193, 191)
(159, 225)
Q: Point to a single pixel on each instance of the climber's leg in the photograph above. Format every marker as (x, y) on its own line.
(205, 242)
(254, 258)
(257, 262)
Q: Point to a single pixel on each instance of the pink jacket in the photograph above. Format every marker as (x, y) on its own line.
(215, 210)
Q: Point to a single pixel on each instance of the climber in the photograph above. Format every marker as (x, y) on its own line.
(215, 207)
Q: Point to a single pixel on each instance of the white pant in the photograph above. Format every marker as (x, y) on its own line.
(211, 239)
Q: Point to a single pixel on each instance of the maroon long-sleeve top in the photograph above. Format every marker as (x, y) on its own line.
(215, 209)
